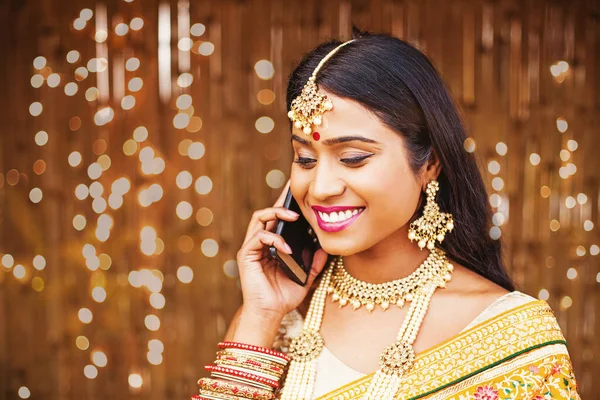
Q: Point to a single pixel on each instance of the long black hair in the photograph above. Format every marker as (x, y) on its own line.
(398, 84)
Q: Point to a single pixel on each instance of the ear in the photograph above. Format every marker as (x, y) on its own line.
(432, 169)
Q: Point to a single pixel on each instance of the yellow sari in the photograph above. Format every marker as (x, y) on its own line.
(517, 354)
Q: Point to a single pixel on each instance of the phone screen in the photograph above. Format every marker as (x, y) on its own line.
(300, 237)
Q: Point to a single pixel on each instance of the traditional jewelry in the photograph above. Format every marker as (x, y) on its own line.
(281, 357)
(254, 377)
(243, 371)
(395, 361)
(307, 109)
(262, 365)
(433, 224)
(345, 289)
(223, 387)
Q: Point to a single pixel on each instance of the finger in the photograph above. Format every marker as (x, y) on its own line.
(270, 226)
(319, 261)
(266, 223)
(266, 218)
(253, 249)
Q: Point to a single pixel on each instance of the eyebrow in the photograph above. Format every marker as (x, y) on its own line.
(337, 140)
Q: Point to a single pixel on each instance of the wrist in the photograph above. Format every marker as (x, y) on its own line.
(258, 328)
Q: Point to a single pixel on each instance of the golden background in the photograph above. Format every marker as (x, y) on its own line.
(118, 271)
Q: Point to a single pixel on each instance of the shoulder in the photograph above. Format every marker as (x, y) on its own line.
(472, 287)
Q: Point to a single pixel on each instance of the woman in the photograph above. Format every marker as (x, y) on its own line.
(416, 302)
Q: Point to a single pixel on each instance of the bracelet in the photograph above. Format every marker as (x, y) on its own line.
(256, 349)
(250, 354)
(249, 369)
(248, 361)
(242, 359)
(240, 374)
(237, 390)
(236, 379)
(212, 396)
(220, 396)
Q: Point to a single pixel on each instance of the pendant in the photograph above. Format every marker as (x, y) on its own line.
(307, 346)
(397, 359)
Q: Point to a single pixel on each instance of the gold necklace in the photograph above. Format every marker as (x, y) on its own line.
(345, 289)
(395, 361)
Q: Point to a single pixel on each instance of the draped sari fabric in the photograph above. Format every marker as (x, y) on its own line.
(518, 353)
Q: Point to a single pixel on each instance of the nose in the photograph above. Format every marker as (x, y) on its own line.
(326, 183)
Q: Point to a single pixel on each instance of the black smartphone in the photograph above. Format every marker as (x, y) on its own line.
(301, 238)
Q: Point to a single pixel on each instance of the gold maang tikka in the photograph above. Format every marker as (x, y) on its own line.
(307, 109)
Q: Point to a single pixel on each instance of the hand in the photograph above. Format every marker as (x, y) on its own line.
(265, 287)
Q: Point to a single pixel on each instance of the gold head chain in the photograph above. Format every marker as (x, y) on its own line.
(307, 108)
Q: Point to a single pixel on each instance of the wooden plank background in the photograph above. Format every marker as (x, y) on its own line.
(495, 56)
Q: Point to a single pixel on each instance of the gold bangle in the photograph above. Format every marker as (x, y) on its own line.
(243, 381)
(241, 366)
(226, 387)
(225, 354)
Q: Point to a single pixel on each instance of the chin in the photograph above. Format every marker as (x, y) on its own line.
(340, 247)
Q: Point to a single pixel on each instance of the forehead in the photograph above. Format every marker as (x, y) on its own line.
(349, 117)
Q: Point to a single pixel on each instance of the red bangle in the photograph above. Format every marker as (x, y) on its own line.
(240, 391)
(233, 372)
(263, 350)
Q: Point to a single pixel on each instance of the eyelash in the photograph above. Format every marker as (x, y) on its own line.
(304, 162)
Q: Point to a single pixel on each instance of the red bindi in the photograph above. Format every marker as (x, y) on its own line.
(316, 136)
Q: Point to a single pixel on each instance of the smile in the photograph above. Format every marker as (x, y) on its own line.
(334, 219)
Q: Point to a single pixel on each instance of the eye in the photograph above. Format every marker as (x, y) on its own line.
(305, 162)
(355, 160)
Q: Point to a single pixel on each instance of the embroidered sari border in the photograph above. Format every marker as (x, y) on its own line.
(557, 349)
(487, 367)
(493, 340)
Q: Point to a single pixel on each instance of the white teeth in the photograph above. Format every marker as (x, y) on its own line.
(338, 216)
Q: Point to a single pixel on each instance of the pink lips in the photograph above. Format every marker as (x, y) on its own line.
(335, 226)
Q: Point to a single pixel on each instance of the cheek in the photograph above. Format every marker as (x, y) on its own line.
(299, 183)
(394, 194)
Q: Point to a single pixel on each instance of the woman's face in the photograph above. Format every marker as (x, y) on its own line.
(358, 167)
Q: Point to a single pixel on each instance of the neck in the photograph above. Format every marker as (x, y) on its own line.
(393, 258)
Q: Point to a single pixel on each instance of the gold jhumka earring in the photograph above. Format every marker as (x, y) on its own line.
(308, 108)
(433, 224)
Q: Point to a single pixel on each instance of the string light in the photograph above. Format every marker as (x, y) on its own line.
(39, 262)
(90, 371)
(135, 381)
(562, 125)
(206, 49)
(152, 322)
(264, 69)
(185, 274)
(24, 392)
(264, 124)
(275, 179)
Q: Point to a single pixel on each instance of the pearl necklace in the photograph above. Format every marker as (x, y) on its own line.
(345, 289)
(395, 361)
